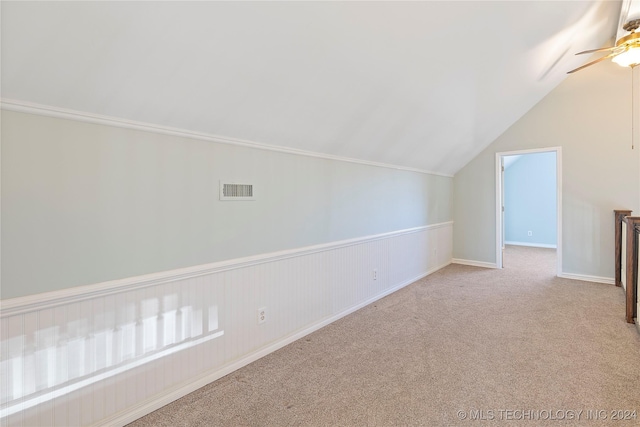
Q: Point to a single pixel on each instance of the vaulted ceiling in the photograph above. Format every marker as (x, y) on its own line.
(423, 85)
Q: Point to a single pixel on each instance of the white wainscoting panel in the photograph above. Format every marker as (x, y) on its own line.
(109, 353)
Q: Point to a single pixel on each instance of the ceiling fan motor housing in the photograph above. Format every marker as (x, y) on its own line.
(632, 25)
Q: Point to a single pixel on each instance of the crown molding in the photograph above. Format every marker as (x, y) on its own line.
(63, 113)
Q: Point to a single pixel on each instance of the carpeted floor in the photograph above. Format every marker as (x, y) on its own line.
(465, 346)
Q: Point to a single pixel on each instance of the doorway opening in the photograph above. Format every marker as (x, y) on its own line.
(529, 201)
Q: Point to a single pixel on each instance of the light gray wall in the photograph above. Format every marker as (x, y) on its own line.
(530, 200)
(589, 116)
(85, 203)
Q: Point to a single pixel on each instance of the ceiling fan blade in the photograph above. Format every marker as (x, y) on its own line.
(593, 62)
(602, 49)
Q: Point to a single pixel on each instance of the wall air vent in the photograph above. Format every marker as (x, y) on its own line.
(234, 191)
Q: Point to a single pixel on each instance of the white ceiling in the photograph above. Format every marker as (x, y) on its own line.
(422, 85)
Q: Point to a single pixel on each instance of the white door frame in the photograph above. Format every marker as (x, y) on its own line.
(500, 202)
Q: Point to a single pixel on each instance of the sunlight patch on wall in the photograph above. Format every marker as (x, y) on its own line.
(53, 361)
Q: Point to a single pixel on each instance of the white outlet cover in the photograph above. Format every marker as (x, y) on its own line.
(262, 315)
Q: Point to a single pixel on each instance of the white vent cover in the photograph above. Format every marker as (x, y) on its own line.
(235, 191)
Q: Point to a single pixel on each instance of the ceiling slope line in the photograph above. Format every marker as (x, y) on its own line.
(62, 113)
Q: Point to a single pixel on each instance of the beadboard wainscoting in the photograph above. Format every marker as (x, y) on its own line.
(109, 353)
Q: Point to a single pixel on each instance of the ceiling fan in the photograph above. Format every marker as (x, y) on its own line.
(626, 52)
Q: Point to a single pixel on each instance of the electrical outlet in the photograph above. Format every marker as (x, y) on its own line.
(262, 315)
(529, 233)
(375, 274)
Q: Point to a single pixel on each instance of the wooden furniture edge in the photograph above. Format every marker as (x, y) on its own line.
(619, 215)
(631, 293)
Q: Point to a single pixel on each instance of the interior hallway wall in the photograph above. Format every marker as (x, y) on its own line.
(84, 203)
(589, 116)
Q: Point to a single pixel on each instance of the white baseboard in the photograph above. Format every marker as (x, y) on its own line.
(532, 245)
(170, 395)
(586, 278)
(474, 263)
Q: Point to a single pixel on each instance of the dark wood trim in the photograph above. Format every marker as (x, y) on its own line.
(631, 293)
(636, 270)
(619, 216)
